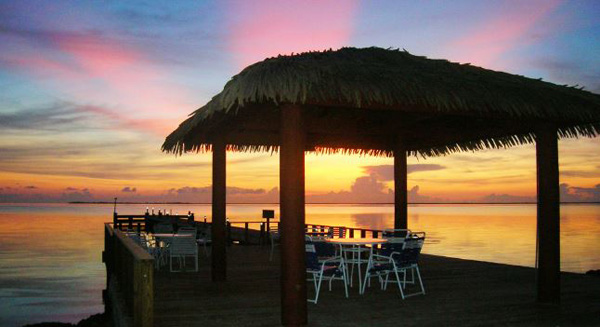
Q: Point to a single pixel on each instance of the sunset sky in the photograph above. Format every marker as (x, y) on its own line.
(89, 90)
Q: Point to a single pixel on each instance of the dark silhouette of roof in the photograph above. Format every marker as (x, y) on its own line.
(367, 100)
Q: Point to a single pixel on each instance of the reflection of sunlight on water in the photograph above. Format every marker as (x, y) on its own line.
(372, 221)
(50, 255)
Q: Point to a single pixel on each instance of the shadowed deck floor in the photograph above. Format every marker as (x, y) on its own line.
(459, 292)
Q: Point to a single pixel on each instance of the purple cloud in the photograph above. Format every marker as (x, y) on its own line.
(579, 194)
(128, 189)
(238, 190)
(386, 172)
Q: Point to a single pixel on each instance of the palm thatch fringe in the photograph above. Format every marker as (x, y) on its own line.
(504, 142)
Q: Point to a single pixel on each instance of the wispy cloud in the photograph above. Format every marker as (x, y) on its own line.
(578, 173)
(95, 63)
(65, 115)
(48, 117)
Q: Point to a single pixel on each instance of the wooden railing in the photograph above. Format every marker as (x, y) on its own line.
(140, 223)
(350, 232)
(263, 229)
(130, 278)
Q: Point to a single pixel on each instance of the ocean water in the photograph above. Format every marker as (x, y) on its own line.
(50, 254)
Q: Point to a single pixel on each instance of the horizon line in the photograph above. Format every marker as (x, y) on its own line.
(277, 203)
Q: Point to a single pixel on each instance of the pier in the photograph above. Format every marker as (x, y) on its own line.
(459, 292)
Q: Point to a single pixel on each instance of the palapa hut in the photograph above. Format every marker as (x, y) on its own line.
(387, 103)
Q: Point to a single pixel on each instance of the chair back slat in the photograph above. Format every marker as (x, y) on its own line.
(410, 253)
(324, 249)
(395, 233)
(388, 248)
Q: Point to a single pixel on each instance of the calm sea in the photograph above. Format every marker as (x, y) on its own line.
(50, 254)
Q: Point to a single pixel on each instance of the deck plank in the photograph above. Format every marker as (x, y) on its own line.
(459, 292)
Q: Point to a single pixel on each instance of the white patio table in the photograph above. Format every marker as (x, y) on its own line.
(355, 246)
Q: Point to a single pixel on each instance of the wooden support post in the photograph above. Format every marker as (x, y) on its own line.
(548, 216)
(293, 257)
(219, 254)
(400, 187)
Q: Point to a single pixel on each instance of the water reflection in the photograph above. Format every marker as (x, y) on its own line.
(50, 264)
(372, 221)
(50, 255)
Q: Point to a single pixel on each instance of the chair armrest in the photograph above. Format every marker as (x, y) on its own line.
(381, 258)
(325, 262)
(394, 253)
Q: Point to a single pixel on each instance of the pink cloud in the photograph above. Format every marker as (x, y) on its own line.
(109, 72)
(503, 32)
(261, 29)
(125, 71)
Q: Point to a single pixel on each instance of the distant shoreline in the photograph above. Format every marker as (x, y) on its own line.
(326, 203)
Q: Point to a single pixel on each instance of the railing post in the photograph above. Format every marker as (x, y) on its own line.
(143, 293)
(351, 233)
(246, 237)
(363, 233)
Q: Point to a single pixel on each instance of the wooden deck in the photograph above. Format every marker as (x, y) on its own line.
(459, 293)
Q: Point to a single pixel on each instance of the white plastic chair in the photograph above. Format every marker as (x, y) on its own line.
(180, 248)
(398, 258)
(331, 269)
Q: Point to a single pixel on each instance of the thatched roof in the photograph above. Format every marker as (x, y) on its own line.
(365, 100)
